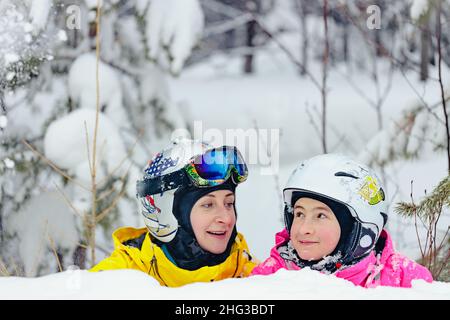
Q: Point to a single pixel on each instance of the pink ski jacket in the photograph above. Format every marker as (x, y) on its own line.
(388, 269)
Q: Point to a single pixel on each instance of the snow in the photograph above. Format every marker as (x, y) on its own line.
(39, 12)
(9, 163)
(46, 218)
(29, 121)
(153, 86)
(92, 4)
(17, 28)
(141, 5)
(65, 144)
(62, 35)
(290, 285)
(418, 8)
(10, 76)
(11, 58)
(176, 25)
(83, 85)
(418, 131)
(3, 121)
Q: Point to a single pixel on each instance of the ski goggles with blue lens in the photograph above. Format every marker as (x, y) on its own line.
(209, 169)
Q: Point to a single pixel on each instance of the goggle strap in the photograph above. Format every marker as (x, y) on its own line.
(162, 183)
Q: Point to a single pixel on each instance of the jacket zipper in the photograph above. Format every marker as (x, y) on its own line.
(154, 266)
(237, 264)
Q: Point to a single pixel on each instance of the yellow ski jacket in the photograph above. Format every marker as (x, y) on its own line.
(135, 250)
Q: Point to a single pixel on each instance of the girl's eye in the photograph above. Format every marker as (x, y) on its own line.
(207, 205)
(229, 205)
(322, 216)
(298, 214)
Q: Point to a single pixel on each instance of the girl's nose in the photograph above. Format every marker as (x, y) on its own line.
(306, 227)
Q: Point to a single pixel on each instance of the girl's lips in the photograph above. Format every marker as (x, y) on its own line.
(307, 243)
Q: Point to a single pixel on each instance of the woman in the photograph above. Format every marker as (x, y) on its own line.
(187, 198)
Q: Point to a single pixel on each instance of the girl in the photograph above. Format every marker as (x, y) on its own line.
(187, 199)
(335, 212)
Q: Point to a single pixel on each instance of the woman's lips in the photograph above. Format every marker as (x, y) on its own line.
(217, 234)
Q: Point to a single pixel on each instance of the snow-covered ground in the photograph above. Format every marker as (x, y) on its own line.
(131, 284)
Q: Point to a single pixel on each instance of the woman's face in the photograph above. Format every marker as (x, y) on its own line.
(213, 219)
(315, 231)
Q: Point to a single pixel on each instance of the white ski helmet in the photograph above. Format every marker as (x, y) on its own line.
(345, 181)
(175, 167)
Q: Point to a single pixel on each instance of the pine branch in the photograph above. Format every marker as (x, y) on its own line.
(430, 209)
(430, 205)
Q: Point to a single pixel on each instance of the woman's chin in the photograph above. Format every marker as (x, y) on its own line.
(216, 249)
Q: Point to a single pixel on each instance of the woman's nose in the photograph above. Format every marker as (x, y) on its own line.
(224, 215)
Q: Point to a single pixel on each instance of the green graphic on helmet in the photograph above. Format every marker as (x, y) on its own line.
(371, 192)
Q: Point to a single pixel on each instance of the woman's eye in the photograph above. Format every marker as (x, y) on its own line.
(298, 214)
(207, 205)
(322, 216)
(230, 205)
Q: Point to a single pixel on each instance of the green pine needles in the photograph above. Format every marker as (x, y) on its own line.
(436, 250)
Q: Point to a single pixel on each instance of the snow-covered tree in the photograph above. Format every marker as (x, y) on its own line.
(418, 131)
(48, 90)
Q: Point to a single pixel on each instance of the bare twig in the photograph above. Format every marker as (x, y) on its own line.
(221, 8)
(444, 263)
(103, 214)
(425, 105)
(287, 52)
(52, 245)
(441, 245)
(16, 268)
(51, 164)
(40, 248)
(323, 90)
(92, 222)
(128, 155)
(223, 27)
(3, 270)
(106, 194)
(313, 123)
(344, 9)
(75, 210)
(444, 106)
(415, 222)
(87, 147)
(116, 199)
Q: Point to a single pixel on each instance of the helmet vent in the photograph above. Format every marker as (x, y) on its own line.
(345, 174)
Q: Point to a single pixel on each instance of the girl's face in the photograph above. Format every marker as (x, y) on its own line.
(213, 219)
(315, 231)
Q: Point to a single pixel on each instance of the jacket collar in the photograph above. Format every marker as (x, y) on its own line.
(151, 258)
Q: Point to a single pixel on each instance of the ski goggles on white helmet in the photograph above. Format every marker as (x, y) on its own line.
(209, 169)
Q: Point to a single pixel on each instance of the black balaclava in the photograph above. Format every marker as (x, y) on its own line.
(184, 248)
(346, 222)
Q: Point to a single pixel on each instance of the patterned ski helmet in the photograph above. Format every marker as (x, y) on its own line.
(157, 208)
